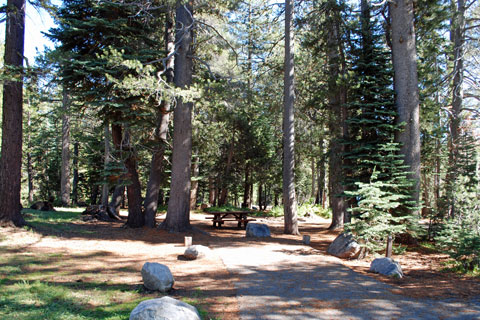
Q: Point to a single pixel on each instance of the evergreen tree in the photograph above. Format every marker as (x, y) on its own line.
(11, 154)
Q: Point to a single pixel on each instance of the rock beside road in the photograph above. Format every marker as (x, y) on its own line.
(165, 308)
(387, 266)
(157, 277)
(197, 252)
(345, 247)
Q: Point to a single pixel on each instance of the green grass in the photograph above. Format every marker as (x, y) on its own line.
(55, 222)
(30, 289)
(37, 286)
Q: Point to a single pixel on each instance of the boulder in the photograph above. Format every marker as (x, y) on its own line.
(345, 247)
(197, 252)
(387, 266)
(157, 277)
(259, 230)
(165, 308)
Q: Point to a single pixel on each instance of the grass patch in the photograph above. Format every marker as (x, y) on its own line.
(55, 222)
(36, 286)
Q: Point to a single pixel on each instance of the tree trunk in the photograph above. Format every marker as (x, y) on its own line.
(94, 194)
(260, 194)
(321, 176)
(404, 56)
(136, 218)
(336, 119)
(163, 119)
(65, 171)
(178, 212)
(224, 193)
(75, 174)
(11, 154)
(211, 190)
(194, 189)
(246, 191)
(289, 196)
(312, 167)
(30, 172)
(117, 197)
(457, 35)
(106, 160)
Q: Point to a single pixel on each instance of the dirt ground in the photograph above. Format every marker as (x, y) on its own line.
(119, 253)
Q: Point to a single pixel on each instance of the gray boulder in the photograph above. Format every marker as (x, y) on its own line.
(258, 230)
(345, 247)
(165, 308)
(387, 266)
(197, 252)
(157, 277)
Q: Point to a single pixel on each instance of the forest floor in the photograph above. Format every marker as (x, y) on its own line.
(97, 265)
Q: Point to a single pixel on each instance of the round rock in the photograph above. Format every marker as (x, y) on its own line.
(157, 277)
(344, 247)
(197, 252)
(387, 266)
(165, 308)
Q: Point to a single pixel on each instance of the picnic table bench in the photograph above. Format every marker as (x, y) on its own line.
(219, 217)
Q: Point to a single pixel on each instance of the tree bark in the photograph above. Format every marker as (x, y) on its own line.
(404, 56)
(163, 119)
(117, 196)
(178, 212)
(106, 160)
(11, 154)
(458, 39)
(65, 170)
(336, 119)
(289, 196)
(194, 188)
(75, 173)
(30, 172)
(211, 190)
(136, 219)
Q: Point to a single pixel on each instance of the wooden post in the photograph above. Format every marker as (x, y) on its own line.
(388, 252)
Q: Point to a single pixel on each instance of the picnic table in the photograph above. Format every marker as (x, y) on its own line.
(219, 217)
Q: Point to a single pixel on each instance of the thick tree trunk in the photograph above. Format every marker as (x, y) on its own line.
(178, 212)
(106, 160)
(65, 170)
(289, 196)
(404, 57)
(163, 119)
(136, 218)
(336, 121)
(11, 154)
(75, 174)
(194, 188)
(458, 39)
(93, 194)
(117, 196)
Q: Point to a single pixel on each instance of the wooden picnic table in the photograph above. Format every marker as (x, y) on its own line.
(219, 218)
